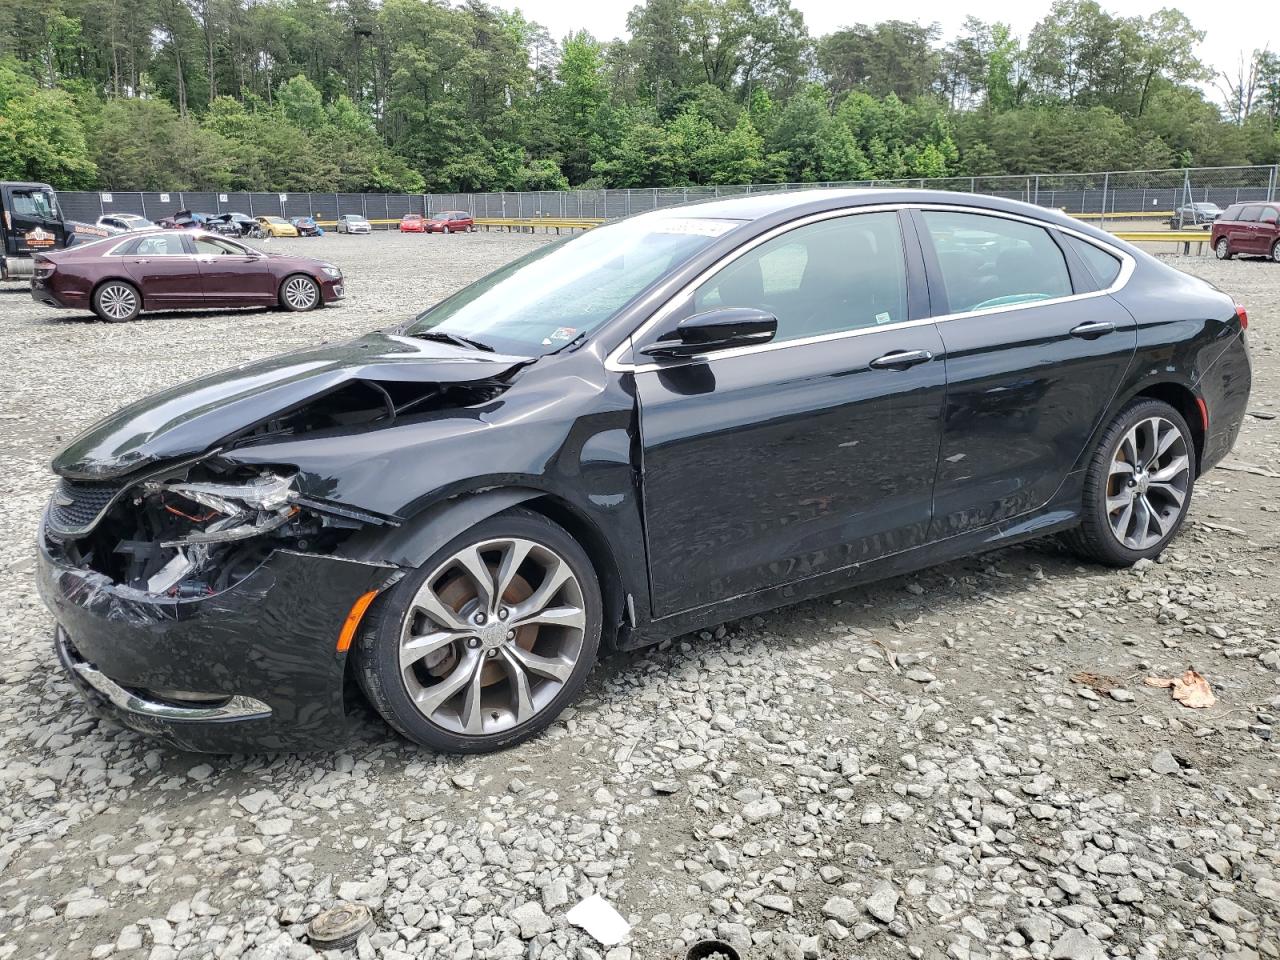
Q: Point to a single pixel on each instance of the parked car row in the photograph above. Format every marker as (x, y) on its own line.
(242, 225)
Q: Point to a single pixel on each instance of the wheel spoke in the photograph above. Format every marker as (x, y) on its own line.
(1170, 437)
(1178, 465)
(1123, 499)
(430, 699)
(478, 572)
(1121, 523)
(549, 667)
(472, 710)
(1129, 447)
(1156, 517)
(445, 616)
(1121, 468)
(521, 699)
(556, 577)
(512, 558)
(1142, 521)
(1169, 490)
(415, 647)
(555, 617)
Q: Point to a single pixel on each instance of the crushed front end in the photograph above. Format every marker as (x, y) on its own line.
(204, 602)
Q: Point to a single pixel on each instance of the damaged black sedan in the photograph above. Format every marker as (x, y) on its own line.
(668, 422)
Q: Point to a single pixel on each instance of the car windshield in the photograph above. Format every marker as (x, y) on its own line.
(37, 205)
(553, 296)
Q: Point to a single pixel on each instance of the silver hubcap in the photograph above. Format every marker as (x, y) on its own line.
(1148, 483)
(492, 636)
(300, 292)
(117, 302)
(1222, 249)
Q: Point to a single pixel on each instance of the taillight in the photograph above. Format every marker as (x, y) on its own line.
(45, 268)
(1243, 315)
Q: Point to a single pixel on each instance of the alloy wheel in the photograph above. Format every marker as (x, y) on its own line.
(1275, 251)
(1148, 483)
(1223, 249)
(492, 636)
(117, 301)
(300, 292)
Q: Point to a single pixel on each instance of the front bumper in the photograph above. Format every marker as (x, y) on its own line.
(332, 289)
(266, 645)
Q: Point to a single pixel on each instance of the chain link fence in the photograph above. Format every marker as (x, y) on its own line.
(1113, 195)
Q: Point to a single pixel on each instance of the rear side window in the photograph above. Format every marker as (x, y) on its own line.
(1104, 266)
(1233, 212)
(1251, 214)
(989, 263)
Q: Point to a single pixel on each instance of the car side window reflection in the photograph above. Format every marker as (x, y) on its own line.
(164, 245)
(842, 274)
(988, 263)
(214, 248)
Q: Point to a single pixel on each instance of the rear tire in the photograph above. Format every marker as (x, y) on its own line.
(444, 229)
(457, 672)
(1222, 249)
(117, 302)
(299, 293)
(1275, 251)
(1132, 514)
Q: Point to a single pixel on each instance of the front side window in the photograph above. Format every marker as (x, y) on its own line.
(1270, 215)
(565, 290)
(990, 262)
(842, 274)
(161, 245)
(1251, 214)
(36, 205)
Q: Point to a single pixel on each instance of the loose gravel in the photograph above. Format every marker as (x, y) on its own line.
(901, 770)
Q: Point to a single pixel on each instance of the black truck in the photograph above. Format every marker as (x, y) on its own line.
(33, 223)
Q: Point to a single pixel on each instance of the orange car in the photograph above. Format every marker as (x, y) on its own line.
(412, 223)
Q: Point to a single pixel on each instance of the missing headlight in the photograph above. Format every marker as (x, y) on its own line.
(206, 528)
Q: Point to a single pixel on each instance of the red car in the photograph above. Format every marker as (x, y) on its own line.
(412, 223)
(450, 221)
(119, 277)
(1252, 228)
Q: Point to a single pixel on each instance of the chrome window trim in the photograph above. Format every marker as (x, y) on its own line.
(128, 240)
(615, 363)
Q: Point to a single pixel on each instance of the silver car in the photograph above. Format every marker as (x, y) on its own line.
(123, 222)
(353, 223)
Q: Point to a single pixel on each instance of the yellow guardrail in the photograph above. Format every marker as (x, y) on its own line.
(1184, 237)
(1123, 215)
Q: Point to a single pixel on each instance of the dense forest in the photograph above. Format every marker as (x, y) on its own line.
(412, 95)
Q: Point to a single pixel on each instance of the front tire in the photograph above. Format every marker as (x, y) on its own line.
(1138, 486)
(117, 302)
(1222, 249)
(488, 641)
(1275, 251)
(299, 293)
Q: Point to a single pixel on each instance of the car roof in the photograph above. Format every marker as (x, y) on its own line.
(758, 206)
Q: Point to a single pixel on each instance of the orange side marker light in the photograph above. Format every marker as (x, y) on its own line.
(353, 620)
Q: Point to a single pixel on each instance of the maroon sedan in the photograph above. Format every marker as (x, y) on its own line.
(119, 277)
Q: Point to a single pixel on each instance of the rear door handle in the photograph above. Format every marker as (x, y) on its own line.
(1093, 329)
(901, 359)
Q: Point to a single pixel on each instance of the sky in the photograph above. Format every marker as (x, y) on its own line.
(1230, 26)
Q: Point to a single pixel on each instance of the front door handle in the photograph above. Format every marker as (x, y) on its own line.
(901, 359)
(1092, 329)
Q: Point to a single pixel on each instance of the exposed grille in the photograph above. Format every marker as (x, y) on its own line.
(77, 503)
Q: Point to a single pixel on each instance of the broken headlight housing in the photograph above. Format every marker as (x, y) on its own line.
(206, 527)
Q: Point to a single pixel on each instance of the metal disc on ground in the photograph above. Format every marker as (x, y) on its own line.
(339, 927)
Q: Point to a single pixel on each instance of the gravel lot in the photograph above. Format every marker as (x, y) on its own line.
(901, 770)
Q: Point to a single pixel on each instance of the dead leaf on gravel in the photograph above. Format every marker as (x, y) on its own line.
(1191, 689)
(1098, 681)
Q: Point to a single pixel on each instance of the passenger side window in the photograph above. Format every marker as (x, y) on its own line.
(1270, 215)
(163, 245)
(988, 263)
(1251, 214)
(841, 274)
(1104, 267)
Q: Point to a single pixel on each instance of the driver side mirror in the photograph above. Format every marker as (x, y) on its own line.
(720, 329)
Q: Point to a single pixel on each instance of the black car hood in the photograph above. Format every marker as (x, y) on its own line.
(193, 417)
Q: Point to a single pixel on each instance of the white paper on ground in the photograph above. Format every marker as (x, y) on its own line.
(595, 916)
